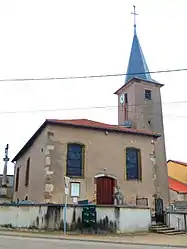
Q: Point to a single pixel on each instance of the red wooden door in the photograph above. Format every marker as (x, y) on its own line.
(105, 190)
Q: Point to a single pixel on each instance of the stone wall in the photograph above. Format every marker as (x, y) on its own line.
(118, 219)
(49, 187)
(177, 219)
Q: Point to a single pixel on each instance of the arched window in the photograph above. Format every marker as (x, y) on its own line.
(27, 173)
(75, 160)
(17, 180)
(133, 170)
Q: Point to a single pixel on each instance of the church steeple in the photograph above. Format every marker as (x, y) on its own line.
(139, 99)
(137, 67)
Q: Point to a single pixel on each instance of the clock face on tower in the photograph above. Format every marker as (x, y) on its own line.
(122, 98)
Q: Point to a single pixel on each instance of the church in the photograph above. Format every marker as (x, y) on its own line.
(101, 160)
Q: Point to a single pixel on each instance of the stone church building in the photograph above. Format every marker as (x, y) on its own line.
(101, 158)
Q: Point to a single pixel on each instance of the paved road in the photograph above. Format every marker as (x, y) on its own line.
(12, 242)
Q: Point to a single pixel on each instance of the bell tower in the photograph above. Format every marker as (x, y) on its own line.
(140, 107)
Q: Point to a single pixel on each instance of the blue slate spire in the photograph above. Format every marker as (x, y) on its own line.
(137, 67)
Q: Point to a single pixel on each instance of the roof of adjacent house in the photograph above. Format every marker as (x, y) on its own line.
(177, 186)
(86, 124)
(178, 162)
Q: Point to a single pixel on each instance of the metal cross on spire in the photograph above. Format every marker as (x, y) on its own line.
(134, 14)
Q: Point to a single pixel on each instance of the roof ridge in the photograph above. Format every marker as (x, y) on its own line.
(177, 180)
(108, 125)
(84, 123)
(176, 185)
(178, 162)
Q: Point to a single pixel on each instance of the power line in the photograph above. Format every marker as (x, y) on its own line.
(84, 108)
(176, 102)
(92, 76)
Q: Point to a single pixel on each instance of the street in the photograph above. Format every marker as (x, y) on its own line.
(10, 242)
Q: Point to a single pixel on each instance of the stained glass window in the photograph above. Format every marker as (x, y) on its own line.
(133, 164)
(75, 160)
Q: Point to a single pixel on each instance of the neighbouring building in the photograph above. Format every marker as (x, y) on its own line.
(177, 190)
(9, 189)
(177, 170)
(177, 178)
(99, 157)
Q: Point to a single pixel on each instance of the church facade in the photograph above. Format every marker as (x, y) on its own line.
(100, 158)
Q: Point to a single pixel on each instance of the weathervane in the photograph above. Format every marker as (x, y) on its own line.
(134, 14)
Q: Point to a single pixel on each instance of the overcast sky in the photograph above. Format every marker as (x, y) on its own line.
(56, 38)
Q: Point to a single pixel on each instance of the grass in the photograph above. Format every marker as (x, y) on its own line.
(61, 233)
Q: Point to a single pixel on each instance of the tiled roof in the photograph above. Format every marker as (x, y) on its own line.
(177, 186)
(82, 123)
(178, 162)
(86, 123)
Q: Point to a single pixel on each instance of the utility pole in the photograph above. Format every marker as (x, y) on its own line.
(66, 191)
(5, 159)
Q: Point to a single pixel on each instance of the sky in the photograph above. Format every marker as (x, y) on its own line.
(59, 38)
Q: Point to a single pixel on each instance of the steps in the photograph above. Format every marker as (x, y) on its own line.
(164, 229)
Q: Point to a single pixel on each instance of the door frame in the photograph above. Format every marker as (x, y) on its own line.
(159, 210)
(100, 176)
(106, 175)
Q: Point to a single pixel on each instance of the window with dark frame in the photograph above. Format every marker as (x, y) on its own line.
(75, 160)
(148, 94)
(126, 98)
(27, 173)
(17, 180)
(133, 164)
